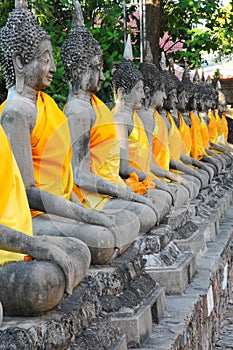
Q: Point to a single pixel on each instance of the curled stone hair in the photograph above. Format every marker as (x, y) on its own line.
(22, 34)
(152, 77)
(79, 46)
(126, 76)
(170, 83)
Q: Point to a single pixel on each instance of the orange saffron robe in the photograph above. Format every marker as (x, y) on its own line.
(197, 149)
(213, 128)
(139, 156)
(185, 133)
(51, 149)
(104, 155)
(175, 142)
(204, 132)
(14, 209)
(160, 148)
(225, 127)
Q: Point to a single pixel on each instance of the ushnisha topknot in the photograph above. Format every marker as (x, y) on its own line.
(126, 75)
(79, 47)
(21, 33)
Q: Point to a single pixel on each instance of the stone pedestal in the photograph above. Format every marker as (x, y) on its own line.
(176, 277)
(138, 325)
(190, 238)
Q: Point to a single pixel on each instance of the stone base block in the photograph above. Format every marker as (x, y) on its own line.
(208, 227)
(138, 326)
(175, 278)
(120, 344)
(195, 243)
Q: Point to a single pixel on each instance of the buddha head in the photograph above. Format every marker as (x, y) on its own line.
(170, 90)
(127, 81)
(222, 103)
(25, 51)
(82, 56)
(154, 86)
(191, 91)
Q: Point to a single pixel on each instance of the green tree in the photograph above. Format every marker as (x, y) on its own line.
(201, 25)
(104, 18)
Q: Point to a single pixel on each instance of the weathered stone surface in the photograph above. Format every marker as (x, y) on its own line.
(101, 334)
(190, 238)
(186, 323)
(138, 325)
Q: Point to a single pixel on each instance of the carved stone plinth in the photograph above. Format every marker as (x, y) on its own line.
(175, 273)
(190, 238)
(138, 325)
(101, 334)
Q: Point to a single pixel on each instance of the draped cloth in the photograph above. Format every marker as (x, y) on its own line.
(185, 134)
(139, 157)
(204, 132)
(160, 147)
(225, 127)
(14, 209)
(213, 128)
(51, 150)
(175, 142)
(197, 149)
(104, 155)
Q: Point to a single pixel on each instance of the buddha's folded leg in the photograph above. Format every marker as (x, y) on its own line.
(100, 240)
(162, 200)
(195, 185)
(144, 213)
(30, 288)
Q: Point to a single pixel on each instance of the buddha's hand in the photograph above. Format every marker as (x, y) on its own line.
(144, 200)
(46, 249)
(141, 175)
(96, 217)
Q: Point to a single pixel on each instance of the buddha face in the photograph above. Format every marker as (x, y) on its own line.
(182, 101)
(158, 98)
(93, 76)
(171, 100)
(134, 98)
(38, 73)
(222, 103)
(201, 103)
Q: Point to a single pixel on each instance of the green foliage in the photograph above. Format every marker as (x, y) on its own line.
(202, 26)
(104, 18)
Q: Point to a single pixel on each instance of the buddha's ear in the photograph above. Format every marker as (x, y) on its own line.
(120, 93)
(75, 72)
(147, 92)
(19, 71)
(18, 62)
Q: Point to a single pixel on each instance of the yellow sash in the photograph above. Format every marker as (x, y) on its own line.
(104, 155)
(225, 127)
(185, 133)
(139, 152)
(160, 148)
(14, 209)
(175, 142)
(197, 149)
(51, 149)
(213, 128)
(204, 132)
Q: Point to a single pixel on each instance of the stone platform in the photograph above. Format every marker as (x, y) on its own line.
(121, 306)
(192, 320)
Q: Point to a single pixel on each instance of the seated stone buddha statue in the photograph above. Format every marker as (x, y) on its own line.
(154, 90)
(42, 148)
(35, 272)
(96, 150)
(127, 84)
